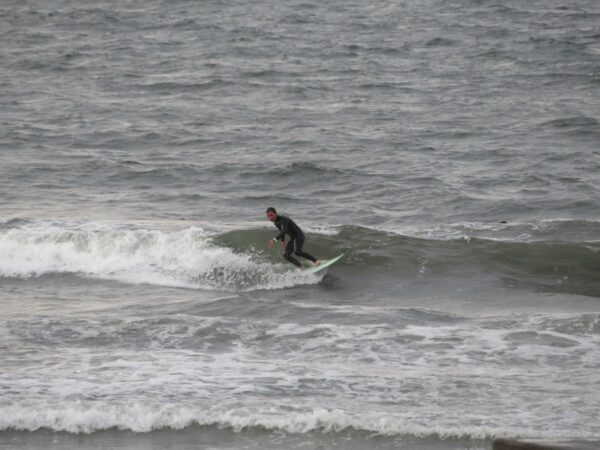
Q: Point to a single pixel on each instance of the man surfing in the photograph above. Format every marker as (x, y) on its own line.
(285, 225)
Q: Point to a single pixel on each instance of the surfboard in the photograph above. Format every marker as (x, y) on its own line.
(324, 264)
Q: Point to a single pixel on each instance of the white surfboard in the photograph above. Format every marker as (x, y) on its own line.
(324, 264)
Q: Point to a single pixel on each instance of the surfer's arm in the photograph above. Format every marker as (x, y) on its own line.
(283, 230)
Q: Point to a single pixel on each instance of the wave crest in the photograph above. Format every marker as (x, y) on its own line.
(185, 258)
(79, 417)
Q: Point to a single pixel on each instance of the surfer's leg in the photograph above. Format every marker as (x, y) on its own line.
(298, 251)
(287, 254)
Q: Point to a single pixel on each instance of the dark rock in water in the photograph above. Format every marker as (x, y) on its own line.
(511, 444)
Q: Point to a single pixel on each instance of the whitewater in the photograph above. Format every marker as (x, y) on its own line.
(184, 258)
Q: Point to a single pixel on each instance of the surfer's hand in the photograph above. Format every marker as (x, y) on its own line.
(283, 244)
(271, 243)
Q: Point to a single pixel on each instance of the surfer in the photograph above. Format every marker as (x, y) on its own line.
(285, 225)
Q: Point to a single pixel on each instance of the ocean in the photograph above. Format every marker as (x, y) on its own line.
(449, 149)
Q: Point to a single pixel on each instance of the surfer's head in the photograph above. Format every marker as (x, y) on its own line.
(271, 214)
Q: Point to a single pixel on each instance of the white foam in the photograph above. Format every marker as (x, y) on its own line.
(87, 417)
(459, 380)
(181, 258)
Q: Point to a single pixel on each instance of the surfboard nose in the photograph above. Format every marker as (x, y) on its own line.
(324, 264)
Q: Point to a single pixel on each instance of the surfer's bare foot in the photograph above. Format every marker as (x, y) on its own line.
(317, 263)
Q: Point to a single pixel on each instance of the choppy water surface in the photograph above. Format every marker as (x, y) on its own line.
(450, 150)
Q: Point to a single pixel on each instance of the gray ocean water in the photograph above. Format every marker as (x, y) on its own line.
(449, 149)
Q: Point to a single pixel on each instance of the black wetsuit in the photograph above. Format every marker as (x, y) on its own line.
(296, 241)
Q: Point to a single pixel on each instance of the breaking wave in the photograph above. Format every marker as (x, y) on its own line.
(184, 258)
(79, 417)
(238, 260)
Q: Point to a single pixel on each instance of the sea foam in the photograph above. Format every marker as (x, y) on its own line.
(82, 417)
(182, 258)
